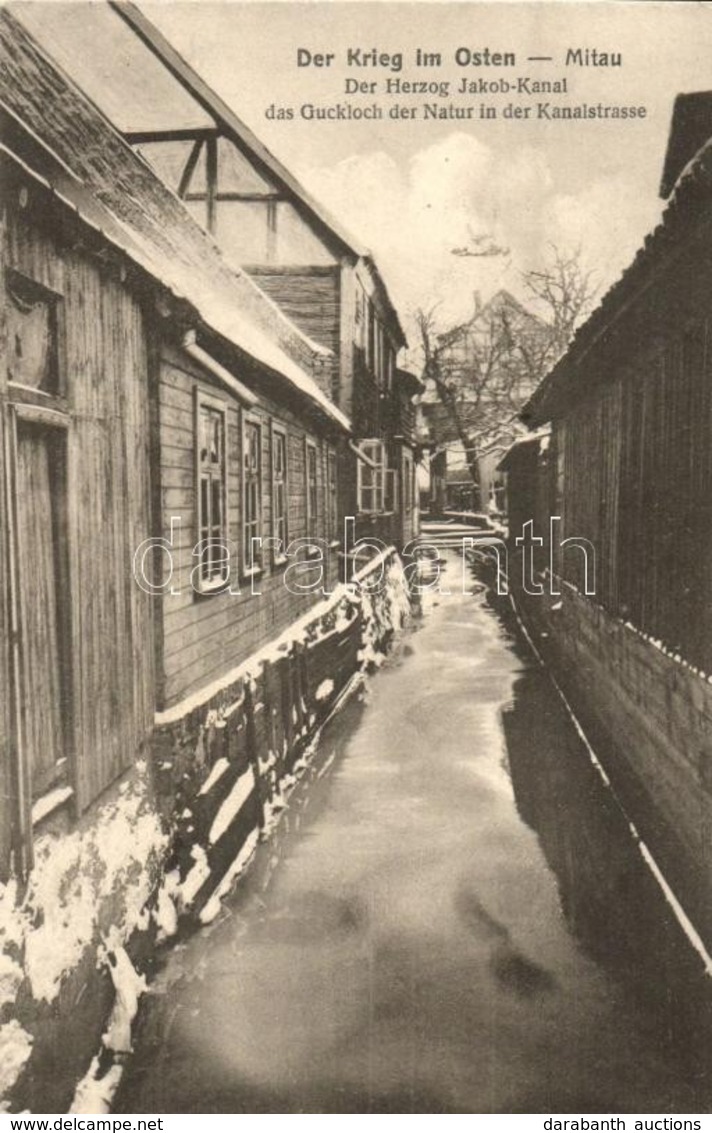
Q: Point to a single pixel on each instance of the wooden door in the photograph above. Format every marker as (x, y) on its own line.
(41, 574)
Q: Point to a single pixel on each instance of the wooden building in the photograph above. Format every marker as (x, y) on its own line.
(172, 627)
(148, 392)
(525, 466)
(266, 223)
(628, 477)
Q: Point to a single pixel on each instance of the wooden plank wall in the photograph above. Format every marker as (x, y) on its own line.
(207, 635)
(666, 498)
(638, 484)
(590, 505)
(311, 298)
(104, 358)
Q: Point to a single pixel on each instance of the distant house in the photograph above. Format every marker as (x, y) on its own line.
(185, 394)
(491, 384)
(628, 480)
(265, 222)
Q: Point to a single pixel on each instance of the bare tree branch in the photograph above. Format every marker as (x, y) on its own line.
(483, 370)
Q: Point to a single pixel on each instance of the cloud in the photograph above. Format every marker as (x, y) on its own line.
(412, 215)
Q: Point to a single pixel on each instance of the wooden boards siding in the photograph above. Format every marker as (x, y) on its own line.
(638, 485)
(206, 635)
(104, 365)
(590, 501)
(309, 296)
(666, 498)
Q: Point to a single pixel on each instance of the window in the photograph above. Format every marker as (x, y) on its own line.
(36, 472)
(407, 483)
(32, 335)
(333, 489)
(371, 476)
(360, 317)
(371, 341)
(388, 366)
(213, 568)
(41, 540)
(390, 492)
(251, 495)
(279, 494)
(312, 491)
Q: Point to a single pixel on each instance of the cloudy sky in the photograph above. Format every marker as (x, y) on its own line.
(413, 191)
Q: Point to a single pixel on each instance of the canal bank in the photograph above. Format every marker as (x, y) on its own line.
(453, 917)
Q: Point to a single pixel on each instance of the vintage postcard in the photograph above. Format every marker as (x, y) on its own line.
(355, 542)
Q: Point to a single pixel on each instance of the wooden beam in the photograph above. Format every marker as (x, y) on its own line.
(189, 170)
(250, 198)
(187, 134)
(212, 180)
(22, 832)
(230, 125)
(271, 232)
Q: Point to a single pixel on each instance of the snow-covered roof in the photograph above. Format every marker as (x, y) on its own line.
(58, 135)
(539, 439)
(142, 83)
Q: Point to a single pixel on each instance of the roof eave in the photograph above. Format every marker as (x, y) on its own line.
(71, 194)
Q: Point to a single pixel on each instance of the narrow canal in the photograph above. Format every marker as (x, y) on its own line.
(453, 919)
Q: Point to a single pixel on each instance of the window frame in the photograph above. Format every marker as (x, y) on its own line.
(332, 493)
(249, 421)
(371, 331)
(279, 433)
(378, 488)
(216, 405)
(53, 301)
(408, 484)
(360, 316)
(312, 505)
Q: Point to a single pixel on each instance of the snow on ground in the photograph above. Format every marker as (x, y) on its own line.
(212, 907)
(82, 883)
(15, 1049)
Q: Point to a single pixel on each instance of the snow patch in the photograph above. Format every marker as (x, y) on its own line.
(165, 915)
(11, 976)
(75, 875)
(129, 987)
(212, 907)
(324, 690)
(15, 1049)
(232, 805)
(95, 1094)
(194, 880)
(219, 769)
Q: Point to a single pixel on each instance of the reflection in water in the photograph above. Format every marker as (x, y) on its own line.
(513, 970)
(611, 901)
